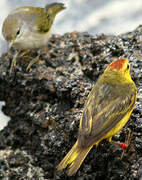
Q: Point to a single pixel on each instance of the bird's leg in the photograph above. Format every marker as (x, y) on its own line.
(24, 54)
(122, 145)
(127, 141)
(14, 60)
(33, 61)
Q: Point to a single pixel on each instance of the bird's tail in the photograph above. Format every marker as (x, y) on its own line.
(55, 7)
(74, 158)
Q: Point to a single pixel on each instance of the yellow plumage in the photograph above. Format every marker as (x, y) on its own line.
(74, 158)
(108, 108)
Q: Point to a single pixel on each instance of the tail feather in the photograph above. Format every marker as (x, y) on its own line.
(55, 7)
(74, 158)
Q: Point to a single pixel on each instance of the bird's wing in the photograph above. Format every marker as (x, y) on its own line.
(45, 24)
(103, 110)
(48, 16)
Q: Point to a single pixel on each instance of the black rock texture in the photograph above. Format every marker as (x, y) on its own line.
(45, 106)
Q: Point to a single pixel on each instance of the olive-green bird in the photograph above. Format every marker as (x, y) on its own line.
(108, 108)
(29, 27)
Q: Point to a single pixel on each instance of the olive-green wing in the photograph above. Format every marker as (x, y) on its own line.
(48, 15)
(105, 107)
(47, 20)
(41, 17)
(37, 18)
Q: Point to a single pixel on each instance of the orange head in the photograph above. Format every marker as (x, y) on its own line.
(120, 65)
(119, 69)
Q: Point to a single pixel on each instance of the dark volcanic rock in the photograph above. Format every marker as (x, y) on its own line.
(45, 105)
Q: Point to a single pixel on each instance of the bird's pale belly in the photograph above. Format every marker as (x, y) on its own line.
(33, 41)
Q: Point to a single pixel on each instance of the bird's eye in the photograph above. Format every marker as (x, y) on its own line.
(128, 66)
(18, 32)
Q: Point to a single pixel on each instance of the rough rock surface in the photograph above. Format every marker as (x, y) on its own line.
(45, 105)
